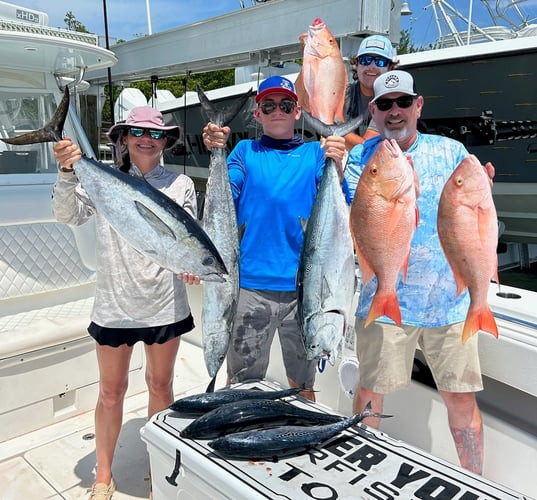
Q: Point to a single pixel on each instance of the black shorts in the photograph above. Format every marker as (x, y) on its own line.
(114, 337)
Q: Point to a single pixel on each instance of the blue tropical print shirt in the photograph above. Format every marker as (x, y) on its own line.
(428, 297)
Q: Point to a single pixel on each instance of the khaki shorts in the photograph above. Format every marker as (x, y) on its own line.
(259, 314)
(386, 356)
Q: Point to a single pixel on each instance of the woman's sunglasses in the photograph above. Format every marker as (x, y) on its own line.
(404, 101)
(268, 107)
(154, 134)
(380, 62)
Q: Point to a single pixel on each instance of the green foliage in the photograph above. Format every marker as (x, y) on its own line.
(176, 85)
(73, 24)
(405, 44)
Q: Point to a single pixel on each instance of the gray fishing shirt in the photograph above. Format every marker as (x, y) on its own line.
(131, 290)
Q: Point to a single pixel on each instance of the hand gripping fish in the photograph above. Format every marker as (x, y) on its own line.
(272, 444)
(468, 231)
(146, 218)
(326, 271)
(249, 414)
(384, 216)
(220, 222)
(322, 81)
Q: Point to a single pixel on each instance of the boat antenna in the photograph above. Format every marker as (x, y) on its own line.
(110, 88)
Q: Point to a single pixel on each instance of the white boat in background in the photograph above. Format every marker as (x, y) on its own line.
(48, 370)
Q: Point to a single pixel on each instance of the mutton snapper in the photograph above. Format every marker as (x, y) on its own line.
(272, 444)
(326, 271)
(220, 222)
(248, 414)
(468, 232)
(322, 81)
(146, 218)
(384, 216)
(206, 401)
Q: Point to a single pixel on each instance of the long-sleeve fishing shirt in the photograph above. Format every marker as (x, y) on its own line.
(428, 298)
(131, 290)
(274, 190)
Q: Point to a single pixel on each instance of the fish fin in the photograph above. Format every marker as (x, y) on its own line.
(210, 387)
(384, 304)
(51, 132)
(303, 223)
(222, 117)
(365, 269)
(301, 91)
(156, 222)
(479, 319)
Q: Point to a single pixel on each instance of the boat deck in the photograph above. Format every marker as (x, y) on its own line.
(58, 461)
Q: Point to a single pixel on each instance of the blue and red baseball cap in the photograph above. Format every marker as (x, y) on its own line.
(276, 84)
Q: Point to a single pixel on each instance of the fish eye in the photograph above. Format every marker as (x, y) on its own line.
(208, 261)
(459, 181)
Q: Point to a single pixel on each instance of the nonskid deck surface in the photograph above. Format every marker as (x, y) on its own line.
(58, 461)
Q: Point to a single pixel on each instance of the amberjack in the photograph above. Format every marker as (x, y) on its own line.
(146, 218)
(220, 222)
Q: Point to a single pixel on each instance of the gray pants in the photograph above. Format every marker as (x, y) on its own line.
(259, 314)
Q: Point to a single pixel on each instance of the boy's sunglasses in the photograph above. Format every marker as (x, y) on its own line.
(404, 101)
(267, 107)
(380, 62)
(154, 134)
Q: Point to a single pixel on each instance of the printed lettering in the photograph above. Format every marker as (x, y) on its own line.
(317, 456)
(339, 466)
(405, 475)
(377, 488)
(311, 489)
(469, 496)
(437, 489)
(293, 473)
(340, 447)
(366, 457)
(357, 479)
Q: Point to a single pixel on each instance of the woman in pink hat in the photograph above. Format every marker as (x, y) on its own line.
(135, 299)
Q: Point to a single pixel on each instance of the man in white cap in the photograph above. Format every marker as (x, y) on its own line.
(375, 57)
(432, 314)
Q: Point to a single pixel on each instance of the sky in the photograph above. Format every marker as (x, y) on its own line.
(132, 22)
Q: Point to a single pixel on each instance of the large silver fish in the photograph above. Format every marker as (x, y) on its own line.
(220, 222)
(326, 272)
(206, 401)
(247, 414)
(272, 444)
(146, 218)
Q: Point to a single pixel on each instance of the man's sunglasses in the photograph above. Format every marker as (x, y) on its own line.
(380, 62)
(404, 101)
(154, 134)
(287, 106)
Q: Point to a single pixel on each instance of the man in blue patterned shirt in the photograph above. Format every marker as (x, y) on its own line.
(432, 314)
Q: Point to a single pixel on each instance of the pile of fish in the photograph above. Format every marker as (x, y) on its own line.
(254, 424)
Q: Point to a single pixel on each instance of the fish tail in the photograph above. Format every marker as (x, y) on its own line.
(384, 304)
(51, 132)
(479, 319)
(326, 130)
(222, 117)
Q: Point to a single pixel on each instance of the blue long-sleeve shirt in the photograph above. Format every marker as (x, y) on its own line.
(273, 190)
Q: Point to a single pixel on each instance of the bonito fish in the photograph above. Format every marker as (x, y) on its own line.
(206, 401)
(220, 223)
(326, 272)
(321, 84)
(384, 215)
(272, 444)
(247, 414)
(468, 231)
(146, 218)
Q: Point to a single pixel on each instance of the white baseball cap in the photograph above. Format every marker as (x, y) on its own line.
(394, 81)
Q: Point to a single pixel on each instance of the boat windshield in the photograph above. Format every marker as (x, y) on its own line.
(22, 112)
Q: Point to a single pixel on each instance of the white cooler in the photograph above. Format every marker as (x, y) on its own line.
(359, 463)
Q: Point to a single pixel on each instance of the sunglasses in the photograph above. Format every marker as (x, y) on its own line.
(267, 107)
(404, 101)
(380, 62)
(154, 134)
